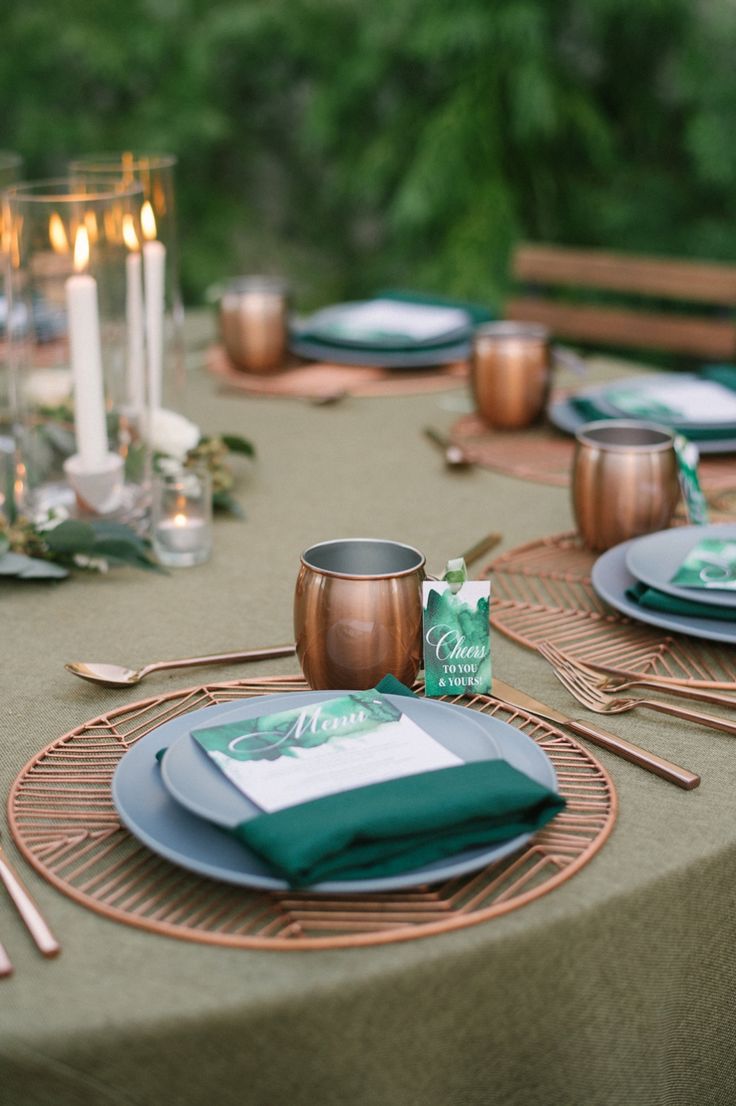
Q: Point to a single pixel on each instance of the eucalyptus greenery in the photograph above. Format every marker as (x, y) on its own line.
(214, 452)
(52, 548)
(48, 551)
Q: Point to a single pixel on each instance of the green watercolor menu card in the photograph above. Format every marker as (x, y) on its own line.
(710, 565)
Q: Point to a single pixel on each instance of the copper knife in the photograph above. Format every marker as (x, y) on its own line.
(682, 777)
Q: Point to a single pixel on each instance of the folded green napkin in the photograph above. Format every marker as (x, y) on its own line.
(477, 314)
(402, 824)
(655, 600)
(588, 408)
(398, 825)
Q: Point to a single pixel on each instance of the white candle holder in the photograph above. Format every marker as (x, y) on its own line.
(81, 445)
(98, 491)
(181, 515)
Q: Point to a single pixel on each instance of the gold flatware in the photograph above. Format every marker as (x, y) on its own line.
(613, 680)
(116, 675)
(485, 545)
(674, 773)
(329, 398)
(455, 457)
(6, 967)
(29, 912)
(590, 695)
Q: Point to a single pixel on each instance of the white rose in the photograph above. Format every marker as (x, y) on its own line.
(49, 387)
(172, 434)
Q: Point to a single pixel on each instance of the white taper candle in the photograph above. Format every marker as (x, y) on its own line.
(134, 319)
(154, 264)
(86, 359)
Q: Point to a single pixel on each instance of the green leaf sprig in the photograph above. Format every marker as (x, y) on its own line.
(31, 552)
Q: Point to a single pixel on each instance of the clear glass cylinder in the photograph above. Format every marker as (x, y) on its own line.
(78, 381)
(181, 514)
(155, 174)
(11, 165)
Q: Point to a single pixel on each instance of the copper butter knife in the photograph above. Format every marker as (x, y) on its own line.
(682, 777)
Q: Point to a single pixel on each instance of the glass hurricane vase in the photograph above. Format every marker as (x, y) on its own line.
(78, 377)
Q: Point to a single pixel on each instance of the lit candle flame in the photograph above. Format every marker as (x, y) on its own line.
(148, 221)
(90, 221)
(81, 248)
(129, 235)
(57, 234)
(180, 520)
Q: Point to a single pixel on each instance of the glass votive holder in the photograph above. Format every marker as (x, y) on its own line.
(181, 515)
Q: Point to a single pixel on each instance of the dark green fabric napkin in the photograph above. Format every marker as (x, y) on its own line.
(401, 824)
(589, 410)
(655, 600)
(478, 314)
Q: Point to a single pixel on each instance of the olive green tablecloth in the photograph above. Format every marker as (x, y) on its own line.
(617, 988)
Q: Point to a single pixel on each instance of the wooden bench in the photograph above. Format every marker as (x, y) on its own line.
(555, 281)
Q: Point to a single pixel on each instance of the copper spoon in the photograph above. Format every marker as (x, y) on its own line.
(455, 457)
(116, 675)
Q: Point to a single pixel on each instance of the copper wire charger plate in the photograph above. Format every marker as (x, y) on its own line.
(320, 380)
(542, 591)
(544, 455)
(63, 820)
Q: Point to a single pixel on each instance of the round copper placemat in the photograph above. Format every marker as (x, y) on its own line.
(321, 381)
(544, 455)
(64, 822)
(542, 592)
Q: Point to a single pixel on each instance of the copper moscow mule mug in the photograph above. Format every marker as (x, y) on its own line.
(358, 613)
(254, 316)
(510, 373)
(624, 481)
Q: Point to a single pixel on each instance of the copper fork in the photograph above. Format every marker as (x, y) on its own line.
(576, 678)
(611, 680)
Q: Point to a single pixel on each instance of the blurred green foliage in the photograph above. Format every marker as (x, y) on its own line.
(352, 146)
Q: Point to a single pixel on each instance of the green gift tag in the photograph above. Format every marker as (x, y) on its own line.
(687, 462)
(457, 641)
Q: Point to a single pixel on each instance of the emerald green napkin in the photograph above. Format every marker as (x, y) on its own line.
(476, 312)
(398, 825)
(588, 408)
(402, 824)
(655, 600)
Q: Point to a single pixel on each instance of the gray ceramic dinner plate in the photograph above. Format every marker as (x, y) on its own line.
(563, 415)
(611, 577)
(153, 816)
(419, 358)
(655, 559)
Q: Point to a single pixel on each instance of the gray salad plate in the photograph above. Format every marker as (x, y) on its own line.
(655, 559)
(611, 578)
